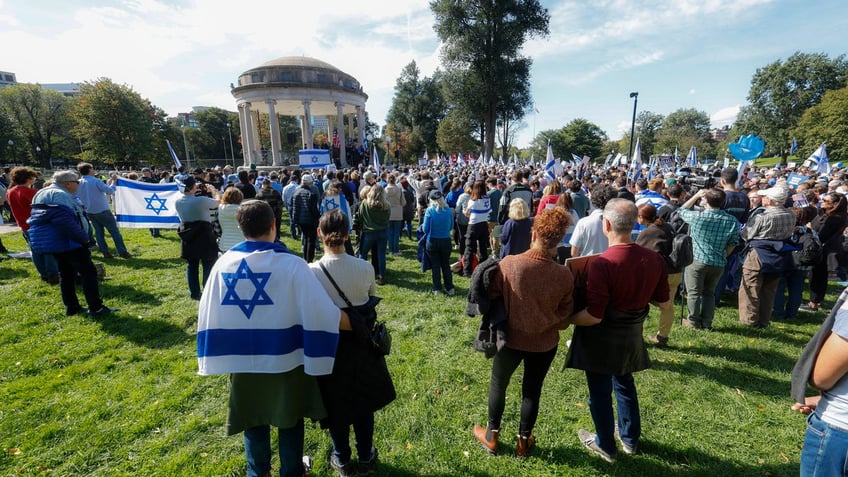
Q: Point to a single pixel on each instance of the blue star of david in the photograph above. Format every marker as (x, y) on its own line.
(314, 159)
(155, 198)
(331, 204)
(259, 296)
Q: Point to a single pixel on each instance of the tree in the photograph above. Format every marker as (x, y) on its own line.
(579, 137)
(211, 141)
(417, 108)
(482, 48)
(826, 122)
(683, 129)
(781, 92)
(39, 122)
(116, 123)
(455, 133)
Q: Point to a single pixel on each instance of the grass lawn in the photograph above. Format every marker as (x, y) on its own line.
(119, 396)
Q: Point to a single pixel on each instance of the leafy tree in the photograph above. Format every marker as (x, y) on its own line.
(482, 47)
(39, 121)
(211, 138)
(683, 129)
(826, 122)
(781, 92)
(455, 133)
(579, 137)
(115, 121)
(417, 108)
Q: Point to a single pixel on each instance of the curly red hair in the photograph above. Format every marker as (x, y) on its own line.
(550, 226)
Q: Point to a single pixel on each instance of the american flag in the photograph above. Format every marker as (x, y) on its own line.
(335, 139)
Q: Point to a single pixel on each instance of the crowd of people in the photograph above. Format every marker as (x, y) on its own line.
(771, 238)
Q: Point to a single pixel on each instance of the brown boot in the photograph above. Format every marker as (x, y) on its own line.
(524, 445)
(487, 437)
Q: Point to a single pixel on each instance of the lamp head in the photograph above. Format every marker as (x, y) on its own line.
(634, 94)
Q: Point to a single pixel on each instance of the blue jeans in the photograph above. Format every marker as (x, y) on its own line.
(700, 282)
(439, 250)
(369, 238)
(601, 387)
(192, 270)
(794, 282)
(731, 278)
(363, 428)
(106, 220)
(825, 451)
(45, 263)
(394, 235)
(257, 447)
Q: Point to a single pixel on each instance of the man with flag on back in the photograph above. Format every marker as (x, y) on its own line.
(265, 320)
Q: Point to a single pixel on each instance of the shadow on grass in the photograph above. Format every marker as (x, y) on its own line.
(767, 360)
(659, 459)
(726, 375)
(16, 275)
(788, 336)
(125, 293)
(155, 334)
(154, 263)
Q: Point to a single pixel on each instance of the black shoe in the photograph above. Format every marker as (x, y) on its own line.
(103, 311)
(344, 470)
(367, 467)
(76, 311)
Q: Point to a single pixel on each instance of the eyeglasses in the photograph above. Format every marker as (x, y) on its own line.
(75, 182)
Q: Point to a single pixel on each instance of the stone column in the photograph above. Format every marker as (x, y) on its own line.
(257, 143)
(274, 124)
(360, 116)
(245, 142)
(307, 130)
(340, 129)
(249, 139)
(350, 130)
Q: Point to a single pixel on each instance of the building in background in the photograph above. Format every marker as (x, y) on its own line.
(7, 78)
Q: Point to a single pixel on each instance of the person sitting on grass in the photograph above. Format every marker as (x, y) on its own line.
(265, 320)
(536, 311)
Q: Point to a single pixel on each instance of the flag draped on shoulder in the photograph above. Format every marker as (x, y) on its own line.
(376, 161)
(143, 205)
(264, 311)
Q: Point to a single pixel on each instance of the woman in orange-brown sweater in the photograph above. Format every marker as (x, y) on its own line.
(537, 294)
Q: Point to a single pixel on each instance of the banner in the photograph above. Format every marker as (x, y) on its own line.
(140, 205)
(314, 158)
(794, 179)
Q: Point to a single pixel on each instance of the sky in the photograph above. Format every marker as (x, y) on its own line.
(178, 54)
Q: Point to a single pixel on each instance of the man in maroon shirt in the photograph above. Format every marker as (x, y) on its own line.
(607, 342)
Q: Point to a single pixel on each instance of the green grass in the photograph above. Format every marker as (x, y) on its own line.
(119, 396)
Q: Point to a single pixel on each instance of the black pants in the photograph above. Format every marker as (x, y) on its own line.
(308, 241)
(477, 242)
(70, 264)
(536, 366)
(818, 281)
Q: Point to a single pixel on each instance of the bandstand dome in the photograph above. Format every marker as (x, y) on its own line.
(296, 86)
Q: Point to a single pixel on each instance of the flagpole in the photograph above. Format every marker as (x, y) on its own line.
(635, 96)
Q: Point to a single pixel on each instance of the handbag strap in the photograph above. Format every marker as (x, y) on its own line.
(341, 293)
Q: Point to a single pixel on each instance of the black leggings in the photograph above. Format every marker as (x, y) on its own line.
(536, 366)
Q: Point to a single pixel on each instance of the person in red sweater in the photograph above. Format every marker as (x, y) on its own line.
(536, 311)
(607, 342)
(20, 200)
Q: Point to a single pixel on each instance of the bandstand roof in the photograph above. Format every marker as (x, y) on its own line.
(291, 79)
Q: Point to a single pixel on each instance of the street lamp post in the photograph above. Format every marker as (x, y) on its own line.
(230, 134)
(224, 144)
(635, 96)
(38, 155)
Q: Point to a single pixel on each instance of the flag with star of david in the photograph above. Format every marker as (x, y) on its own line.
(141, 205)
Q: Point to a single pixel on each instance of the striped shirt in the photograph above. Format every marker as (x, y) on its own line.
(479, 209)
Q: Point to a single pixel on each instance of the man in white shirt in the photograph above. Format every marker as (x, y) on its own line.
(588, 237)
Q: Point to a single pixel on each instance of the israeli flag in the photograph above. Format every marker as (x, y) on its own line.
(636, 163)
(550, 163)
(140, 205)
(173, 154)
(314, 158)
(376, 162)
(820, 157)
(692, 158)
(794, 148)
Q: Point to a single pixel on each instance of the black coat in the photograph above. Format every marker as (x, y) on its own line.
(305, 206)
(198, 240)
(360, 383)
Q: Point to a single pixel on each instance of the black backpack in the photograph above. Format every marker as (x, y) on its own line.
(811, 250)
(681, 254)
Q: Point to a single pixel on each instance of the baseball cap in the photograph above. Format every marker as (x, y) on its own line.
(776, 194)
(307, 178)
(435, 195)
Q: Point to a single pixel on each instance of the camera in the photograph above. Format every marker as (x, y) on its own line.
(697, 182)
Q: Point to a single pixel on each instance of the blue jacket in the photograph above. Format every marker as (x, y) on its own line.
(55, 229)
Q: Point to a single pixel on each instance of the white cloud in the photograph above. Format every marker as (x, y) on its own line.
(724, 116)
(692, 91)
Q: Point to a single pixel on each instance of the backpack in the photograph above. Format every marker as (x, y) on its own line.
(811, 250)
(681, 254)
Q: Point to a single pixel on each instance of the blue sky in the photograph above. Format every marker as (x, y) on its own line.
(181, 53)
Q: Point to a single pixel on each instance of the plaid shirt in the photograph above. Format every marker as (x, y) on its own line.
(712, 231)
(775, 223)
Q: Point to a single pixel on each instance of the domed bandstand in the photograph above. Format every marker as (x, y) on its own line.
(296, 86)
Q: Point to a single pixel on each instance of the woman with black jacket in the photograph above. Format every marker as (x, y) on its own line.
(830, 226)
